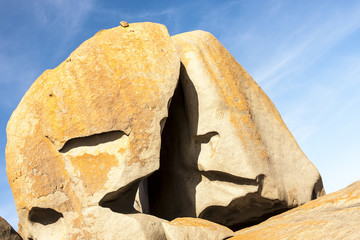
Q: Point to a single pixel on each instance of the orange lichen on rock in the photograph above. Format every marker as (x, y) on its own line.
(196, 222)
(87, 137)
(94, 169)
(333, 216)
(195, 228)
(114, 82)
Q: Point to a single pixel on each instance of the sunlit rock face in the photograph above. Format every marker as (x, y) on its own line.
(174, 127)
(333, 216)
(195, 228)
(88, 131)
(226, 155)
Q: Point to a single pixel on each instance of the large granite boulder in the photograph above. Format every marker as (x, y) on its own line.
(226, 154)
(87, 132)
(86, 140)
(7, 232)
(333, 216)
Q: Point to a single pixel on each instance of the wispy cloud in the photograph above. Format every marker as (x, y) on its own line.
(285, 40)
(285, 37)
(64, 14)
(332, 98)
(311, 40)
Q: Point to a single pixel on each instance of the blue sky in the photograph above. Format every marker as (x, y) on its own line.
(304, 54)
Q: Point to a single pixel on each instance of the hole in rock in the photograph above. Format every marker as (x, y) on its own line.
(122, 200)
(226, 177)
(92, 140)
(205, 138)
(245, 211)
(142, 201)
(44, 216)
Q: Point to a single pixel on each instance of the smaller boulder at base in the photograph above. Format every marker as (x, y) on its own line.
(7, 232)
(195, 228)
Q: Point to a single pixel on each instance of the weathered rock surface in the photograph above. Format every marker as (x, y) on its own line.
(85, 141)
(333, 216)
(226, 154)
(7, 232)
(195, 228)
(88, 131)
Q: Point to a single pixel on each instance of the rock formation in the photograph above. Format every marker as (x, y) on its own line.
(90, 140)
(226, 155)
(7, 232)
(195, 228)
(334, 216)
(88, 131)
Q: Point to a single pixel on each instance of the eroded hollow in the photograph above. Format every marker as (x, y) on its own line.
(92, 140)
(122, 200)
(205, 138)
(226, 177)
(244, 211)
(44, 216)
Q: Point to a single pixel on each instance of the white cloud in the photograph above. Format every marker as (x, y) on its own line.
(65, 14)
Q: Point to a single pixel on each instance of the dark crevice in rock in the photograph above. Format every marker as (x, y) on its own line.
(205, 138)
(227, 237)
(226, 177)
(143, 196)
(92, 140)
(174, 179)
(318, 189)
(122, 200)
(44, 216)
(162, 124)
(244, 211)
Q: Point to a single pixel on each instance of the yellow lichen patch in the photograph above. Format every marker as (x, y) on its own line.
(229, 76)
(42, 172)
(131, 76)
(229, 79)
(283, 230)
(119, 80)
(80, 224)
(342, 198)
(93, 169)
(196, 222)
(121, 150)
